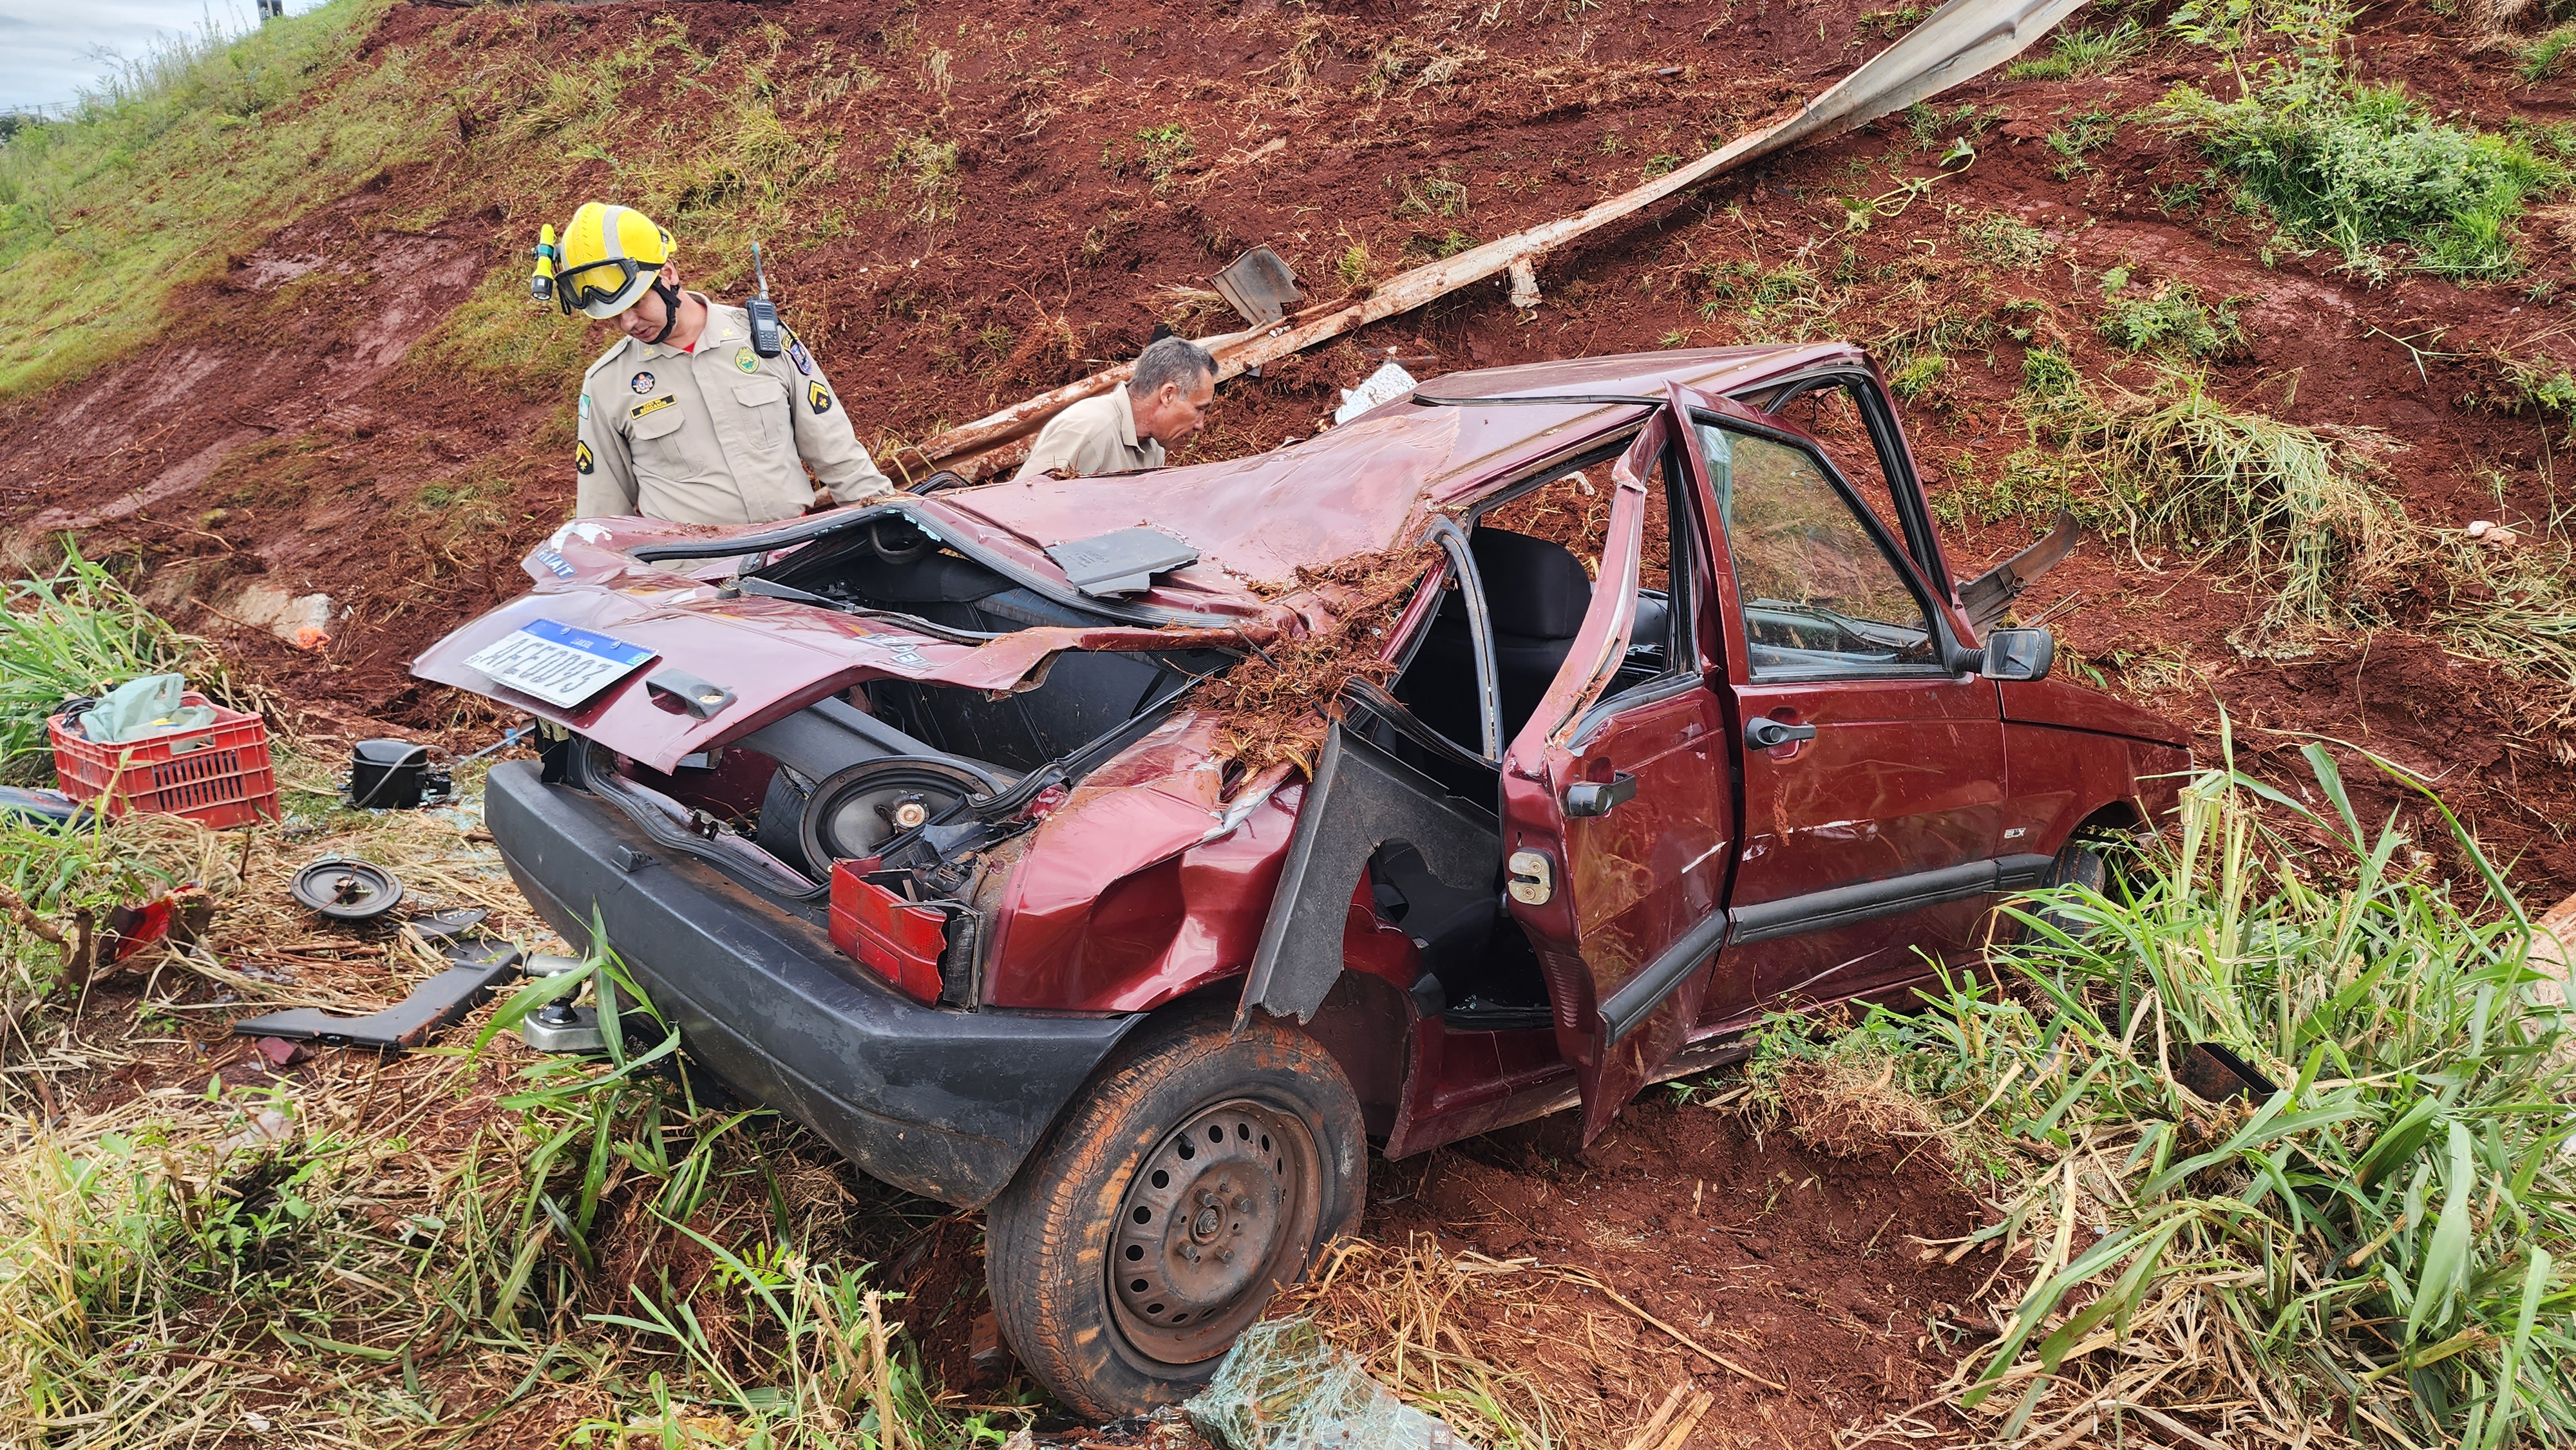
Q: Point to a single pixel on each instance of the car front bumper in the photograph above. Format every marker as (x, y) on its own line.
(939, 1102)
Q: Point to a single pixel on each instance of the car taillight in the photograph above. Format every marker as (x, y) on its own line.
(897, 939)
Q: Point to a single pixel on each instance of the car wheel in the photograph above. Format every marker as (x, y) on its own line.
(2084, 861)
(1192, 1181)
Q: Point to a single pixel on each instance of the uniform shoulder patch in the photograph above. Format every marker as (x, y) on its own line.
(818, 396)
(649, 405)
(797, 354)
(607, 357)
(581, 458)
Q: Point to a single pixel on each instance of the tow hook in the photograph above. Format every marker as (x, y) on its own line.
(559, 1026)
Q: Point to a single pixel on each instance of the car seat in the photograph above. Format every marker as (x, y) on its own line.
(1536, 595)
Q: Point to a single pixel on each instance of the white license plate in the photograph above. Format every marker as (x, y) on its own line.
(556, 663)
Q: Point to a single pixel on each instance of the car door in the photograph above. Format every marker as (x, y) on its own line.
(1616, 805)
(1873, 764)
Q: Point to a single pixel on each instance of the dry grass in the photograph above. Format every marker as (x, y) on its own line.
(444, 1247)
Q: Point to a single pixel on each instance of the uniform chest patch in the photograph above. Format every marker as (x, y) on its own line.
(804, 360)
(581, 458)
(643, 383)
(655, 406)
(818, 396)
(746, 359)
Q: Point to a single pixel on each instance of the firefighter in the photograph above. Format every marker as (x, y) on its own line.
(1164, 404)
(681, 418)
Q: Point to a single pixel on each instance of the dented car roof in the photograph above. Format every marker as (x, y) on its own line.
(1351, 493)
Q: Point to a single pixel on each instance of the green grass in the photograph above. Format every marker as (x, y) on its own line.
(2085, 52)
(2358, 167)
(2172, 320)
(78, 631)
(660, 1271)
(2082, 135)
(176, 166)
(2381, 1243)
(2540, 61)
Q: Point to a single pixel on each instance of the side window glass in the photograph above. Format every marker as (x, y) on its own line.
(1818, 593)
(1833, 417)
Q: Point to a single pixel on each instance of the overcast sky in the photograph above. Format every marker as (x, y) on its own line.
(49, 48)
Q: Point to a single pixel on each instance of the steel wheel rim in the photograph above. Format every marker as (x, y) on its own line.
(1216, 1219)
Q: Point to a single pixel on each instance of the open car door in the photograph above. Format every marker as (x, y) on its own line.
(1617, 812)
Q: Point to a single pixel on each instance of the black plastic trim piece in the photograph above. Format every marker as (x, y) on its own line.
(1480, 632)
(1637, 998)
(1869, 900)
(1360, 799)
(907, 508)
(936, 1102)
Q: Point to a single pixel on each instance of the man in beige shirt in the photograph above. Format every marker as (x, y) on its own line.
(681, 419)
(1163, 405)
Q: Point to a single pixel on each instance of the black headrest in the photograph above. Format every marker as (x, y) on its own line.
(1532, 586)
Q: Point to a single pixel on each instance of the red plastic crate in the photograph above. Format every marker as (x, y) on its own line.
(219, 776)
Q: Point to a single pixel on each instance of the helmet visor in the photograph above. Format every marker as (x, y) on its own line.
(604, 288)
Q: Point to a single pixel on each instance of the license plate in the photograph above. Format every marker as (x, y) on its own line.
(556, 663)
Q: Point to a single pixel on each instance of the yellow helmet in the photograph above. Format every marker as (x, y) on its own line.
(611, 256)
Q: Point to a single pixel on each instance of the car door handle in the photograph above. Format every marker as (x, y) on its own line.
(1763, 734)
(1598, 797)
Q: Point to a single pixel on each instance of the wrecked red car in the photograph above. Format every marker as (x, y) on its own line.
(918, 818)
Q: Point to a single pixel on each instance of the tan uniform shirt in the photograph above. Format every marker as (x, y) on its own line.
(714, 436)
(1096, 435)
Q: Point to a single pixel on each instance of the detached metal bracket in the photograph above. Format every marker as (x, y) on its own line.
(477, 968)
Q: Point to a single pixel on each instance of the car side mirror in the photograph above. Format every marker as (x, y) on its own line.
(2019, 654)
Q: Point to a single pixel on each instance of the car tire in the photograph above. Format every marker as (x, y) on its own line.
(1211, 1167)
(2084, 861)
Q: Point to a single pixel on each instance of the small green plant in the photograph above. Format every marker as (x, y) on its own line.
(2179, 197)
(2172, 320)
(2079, 137)
(1660, 164)
(1918, 376)
(1895, 22)
(1163, 148)
(1353, 265)
(1439, 195)
(2540, 62)
(2084, 52)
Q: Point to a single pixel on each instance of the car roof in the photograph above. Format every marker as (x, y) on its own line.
(1363, 488)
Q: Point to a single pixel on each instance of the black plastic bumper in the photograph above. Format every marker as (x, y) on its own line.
(942, 1103)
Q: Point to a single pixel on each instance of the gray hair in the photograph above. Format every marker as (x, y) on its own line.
(1170, 360)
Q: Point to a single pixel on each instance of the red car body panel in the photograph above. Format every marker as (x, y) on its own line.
(1156, 874)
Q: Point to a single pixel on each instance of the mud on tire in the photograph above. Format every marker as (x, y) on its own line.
(1206, 1170)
